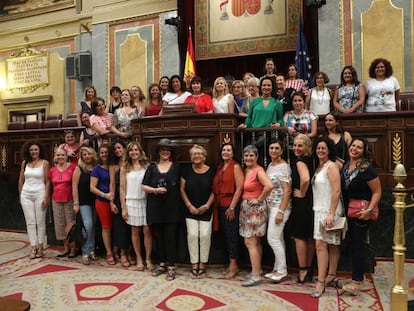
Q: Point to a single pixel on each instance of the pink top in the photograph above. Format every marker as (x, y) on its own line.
(252, 187)
(104, 122)
(62, 183)
(298, 85)
(69, 149)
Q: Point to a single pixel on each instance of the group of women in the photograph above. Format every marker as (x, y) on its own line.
(307, 195)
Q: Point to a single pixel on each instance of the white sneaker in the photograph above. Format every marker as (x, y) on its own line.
(278, 277)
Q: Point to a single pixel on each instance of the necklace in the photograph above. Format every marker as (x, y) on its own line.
(320, 96)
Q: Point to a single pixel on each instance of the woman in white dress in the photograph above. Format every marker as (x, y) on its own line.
(223, 101)
(319, 97)
(134, 201)
(326, 187)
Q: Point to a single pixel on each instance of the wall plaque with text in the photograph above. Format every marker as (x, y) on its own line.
(27, 71)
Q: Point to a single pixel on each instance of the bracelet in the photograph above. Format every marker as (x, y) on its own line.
(281, 211)
(75, 203)
(103, 195)
(207, 206)
(231, 208)
(155, 191)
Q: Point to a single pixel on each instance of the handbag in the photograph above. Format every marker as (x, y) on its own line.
(356, 205)
(76, 231)
(338, 225)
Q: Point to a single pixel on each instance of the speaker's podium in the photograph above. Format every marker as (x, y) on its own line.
(185, 128)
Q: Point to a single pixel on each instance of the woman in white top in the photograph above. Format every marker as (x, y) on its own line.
(319, 97)
(223, 101)
(34, 185)
(134, 201)
(176, 91)
(122, 117)
(383, 89)
(326, 188)
(279, 205)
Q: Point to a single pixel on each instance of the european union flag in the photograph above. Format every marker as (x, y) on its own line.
(302, 58)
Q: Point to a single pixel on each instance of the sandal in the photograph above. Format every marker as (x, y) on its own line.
(92, 256)
(110, 260)
(39, 253)
(85, 260)
(232, 273)
(332, 283)
(33, 253)
(170, 274)
(316, 293)
(124, 261)
(353, 288)
(140, 267)
(305, 278)
(201, 274)
(248, 282)
(65, 254)
(194, 273)
(159, 270)
(150, 266)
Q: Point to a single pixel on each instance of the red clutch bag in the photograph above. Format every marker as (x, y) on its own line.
(356, 205)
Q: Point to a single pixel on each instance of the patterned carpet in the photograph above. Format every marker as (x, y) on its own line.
(66, 284)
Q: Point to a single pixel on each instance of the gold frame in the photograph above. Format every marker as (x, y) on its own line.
(49, 8)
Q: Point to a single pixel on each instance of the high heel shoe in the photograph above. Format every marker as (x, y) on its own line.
(353, 288)
(332, 283)
(305, 278)
(33, 253)
(316, 293)
(309, 275)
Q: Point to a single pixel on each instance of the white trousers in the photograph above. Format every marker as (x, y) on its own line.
(276, 240)
(199, 239)
(35, 216)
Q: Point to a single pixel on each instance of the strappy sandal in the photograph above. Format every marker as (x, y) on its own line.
(201, 273)
(150, 266)
(170, 274)
(124, 261)
(353, 288)
(232, 273)
(316, 293)
(194, 273)
(39, 253)
(140, 267)
(33, 253)
(251, 281)
(305, 278)
(110, 260)
(159, 270)
(332, 283)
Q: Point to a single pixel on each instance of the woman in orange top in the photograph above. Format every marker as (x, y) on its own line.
(227, 188)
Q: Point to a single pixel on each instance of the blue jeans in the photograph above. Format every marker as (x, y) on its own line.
(89, 218)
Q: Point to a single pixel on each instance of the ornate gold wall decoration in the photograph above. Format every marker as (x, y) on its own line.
(396, 149)
(382, 36)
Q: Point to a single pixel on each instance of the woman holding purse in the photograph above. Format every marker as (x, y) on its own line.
(360, 184)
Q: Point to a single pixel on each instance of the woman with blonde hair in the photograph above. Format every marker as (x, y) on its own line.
(223, 101)
(302, 216)
(134, 201)
(84, 199)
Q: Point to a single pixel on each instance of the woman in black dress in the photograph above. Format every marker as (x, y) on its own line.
(302, 217)
(164, 206)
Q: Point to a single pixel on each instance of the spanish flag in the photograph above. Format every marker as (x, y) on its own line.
(189, 69)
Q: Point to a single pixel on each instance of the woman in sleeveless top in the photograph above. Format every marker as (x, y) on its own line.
(350, 94)
(134, 202)
(115, 100)
(326, 187)
(83, 200)
(301, 218)
(34, 187)
(341, 138)
(228, 187)
(319, 97)
(223, 101)
(88, 136)
(253, 212)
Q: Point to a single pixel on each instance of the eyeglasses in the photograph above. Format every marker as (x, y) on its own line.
(197, 154)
